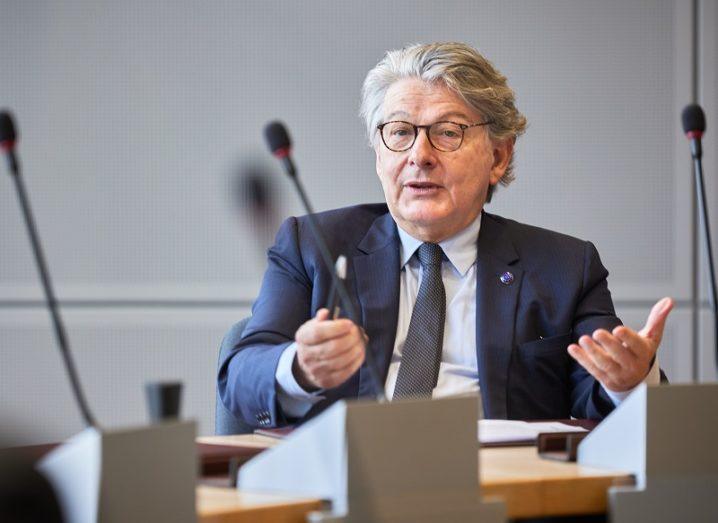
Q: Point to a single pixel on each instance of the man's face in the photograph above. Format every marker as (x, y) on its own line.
(433, 194)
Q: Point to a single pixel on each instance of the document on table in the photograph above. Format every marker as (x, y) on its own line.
(510, 431)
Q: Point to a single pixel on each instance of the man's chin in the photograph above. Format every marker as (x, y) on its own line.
(426, 218)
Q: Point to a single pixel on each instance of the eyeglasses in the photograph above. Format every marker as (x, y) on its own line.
(399, 136)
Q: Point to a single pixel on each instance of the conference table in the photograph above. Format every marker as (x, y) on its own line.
(530, 485)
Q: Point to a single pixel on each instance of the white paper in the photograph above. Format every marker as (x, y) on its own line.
(74, 470)
(509, 431)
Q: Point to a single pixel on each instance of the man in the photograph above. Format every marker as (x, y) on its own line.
(452, 299)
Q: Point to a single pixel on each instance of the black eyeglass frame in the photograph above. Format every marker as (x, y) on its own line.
(462, 126)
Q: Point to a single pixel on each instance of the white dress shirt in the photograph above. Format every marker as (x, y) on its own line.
(458, 373)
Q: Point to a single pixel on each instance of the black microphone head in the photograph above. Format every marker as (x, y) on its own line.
(278, 139)
(8, 135)
(694, 121)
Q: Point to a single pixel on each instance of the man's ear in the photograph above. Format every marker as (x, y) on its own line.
(503, 151)
(378, 160)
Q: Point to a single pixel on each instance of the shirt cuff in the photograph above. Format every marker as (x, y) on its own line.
(294, 400)
(652, 378)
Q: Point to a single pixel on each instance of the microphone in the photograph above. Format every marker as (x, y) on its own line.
(694, 125)
(281, 146)
(8, 139)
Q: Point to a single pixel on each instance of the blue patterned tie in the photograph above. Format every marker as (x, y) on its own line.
(421, 356)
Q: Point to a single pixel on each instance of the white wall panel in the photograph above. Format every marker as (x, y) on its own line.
(134, 117)
(117, 351)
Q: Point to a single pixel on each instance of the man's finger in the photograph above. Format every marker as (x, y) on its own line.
(656, 321)
(579, 354)
(333, 354)
(614, 347)
(328, 378)
(643, 348)
(341, 375)
(314, 332)
(597, 355)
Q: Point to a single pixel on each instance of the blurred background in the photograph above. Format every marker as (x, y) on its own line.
(141, 139)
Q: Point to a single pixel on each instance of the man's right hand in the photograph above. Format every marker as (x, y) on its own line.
(329, 352)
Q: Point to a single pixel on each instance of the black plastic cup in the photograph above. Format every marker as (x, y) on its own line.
(163, 400)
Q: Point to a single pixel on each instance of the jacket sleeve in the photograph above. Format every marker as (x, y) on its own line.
(246, 379)
(593, 311)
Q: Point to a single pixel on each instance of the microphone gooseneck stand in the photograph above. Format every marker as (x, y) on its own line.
(59, 328)
(697, 153)
(341, 289)
(693, 120)
(280, 145)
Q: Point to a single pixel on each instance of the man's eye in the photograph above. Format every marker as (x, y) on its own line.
(400, 132)
(449, 133)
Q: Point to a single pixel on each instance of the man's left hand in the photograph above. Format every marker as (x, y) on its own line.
(621, 359)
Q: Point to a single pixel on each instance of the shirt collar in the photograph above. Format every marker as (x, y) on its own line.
(460, 249)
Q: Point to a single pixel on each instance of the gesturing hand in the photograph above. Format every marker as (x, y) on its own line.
(620, 359)
(328, 352)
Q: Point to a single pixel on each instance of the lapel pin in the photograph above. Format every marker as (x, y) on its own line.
(506, 278)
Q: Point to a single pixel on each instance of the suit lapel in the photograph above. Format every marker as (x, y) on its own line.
(377, 286)
(496, 304)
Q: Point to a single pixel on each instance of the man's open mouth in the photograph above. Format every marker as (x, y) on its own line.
(422, 186)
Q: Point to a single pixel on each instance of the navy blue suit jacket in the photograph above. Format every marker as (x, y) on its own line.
(559, 293)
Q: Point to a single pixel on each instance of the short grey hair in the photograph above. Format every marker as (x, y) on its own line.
(463, 70)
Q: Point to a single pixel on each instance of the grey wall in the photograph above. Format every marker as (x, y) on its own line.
(136, 115)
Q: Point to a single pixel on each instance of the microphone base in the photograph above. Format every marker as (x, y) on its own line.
(385, 463)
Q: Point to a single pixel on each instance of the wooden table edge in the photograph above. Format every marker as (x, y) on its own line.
(555, 496)
(282, 508)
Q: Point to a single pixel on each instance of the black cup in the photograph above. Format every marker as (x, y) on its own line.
(163, 400)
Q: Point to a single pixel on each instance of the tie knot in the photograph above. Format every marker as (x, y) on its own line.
(430, 254)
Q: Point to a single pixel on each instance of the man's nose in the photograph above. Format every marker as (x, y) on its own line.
(422, 153)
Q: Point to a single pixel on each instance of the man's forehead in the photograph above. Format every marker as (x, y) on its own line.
(411, 97)
(439, 114)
